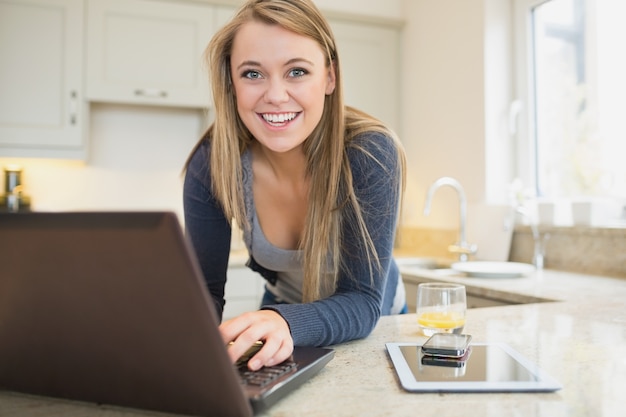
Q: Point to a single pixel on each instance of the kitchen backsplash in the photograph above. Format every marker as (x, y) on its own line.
(593, 250)
(600, 251)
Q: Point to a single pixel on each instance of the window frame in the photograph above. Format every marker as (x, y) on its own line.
(522, 120)
(523, 108)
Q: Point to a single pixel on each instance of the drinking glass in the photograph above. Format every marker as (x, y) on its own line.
(441, 308)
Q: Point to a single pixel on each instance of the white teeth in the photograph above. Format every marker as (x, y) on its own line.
(279, 118)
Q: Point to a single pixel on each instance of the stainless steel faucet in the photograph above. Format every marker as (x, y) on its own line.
(461, 247)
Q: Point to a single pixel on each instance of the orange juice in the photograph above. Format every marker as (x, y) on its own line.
(443, 320)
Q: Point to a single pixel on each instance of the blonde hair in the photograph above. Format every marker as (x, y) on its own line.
(331, 193)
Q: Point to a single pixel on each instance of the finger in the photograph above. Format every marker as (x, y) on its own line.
(264, 355)
(239, 335)
(274, 351)
(231, 329)
(240, 347)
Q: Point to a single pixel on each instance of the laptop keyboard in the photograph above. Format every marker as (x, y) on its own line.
(265, 375)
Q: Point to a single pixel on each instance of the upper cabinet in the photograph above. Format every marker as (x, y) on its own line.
(41, 95)
(148, 52)
(370, 60)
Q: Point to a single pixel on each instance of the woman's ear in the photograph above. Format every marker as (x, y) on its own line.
(332, 77)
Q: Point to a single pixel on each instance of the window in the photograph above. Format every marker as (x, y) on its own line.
(573, 135)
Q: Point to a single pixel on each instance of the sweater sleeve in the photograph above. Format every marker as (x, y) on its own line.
(354, 309)
(206, 226)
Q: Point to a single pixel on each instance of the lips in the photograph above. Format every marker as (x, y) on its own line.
(279, 119)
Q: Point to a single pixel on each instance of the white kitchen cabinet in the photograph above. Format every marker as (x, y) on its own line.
(244, 291)
(148, 52)
(42, 112)
(223, 15)
(370, 60)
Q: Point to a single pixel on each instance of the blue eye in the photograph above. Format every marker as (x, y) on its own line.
(251, 74)
(298, 72)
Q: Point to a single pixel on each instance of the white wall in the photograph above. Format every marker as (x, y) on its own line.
(457, 91)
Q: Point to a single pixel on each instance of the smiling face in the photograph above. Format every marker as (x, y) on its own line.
(280, 80)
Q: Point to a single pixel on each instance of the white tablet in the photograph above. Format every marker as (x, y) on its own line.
(493, 367)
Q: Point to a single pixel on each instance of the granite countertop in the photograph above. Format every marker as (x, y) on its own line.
(580, 340)
(546, 285)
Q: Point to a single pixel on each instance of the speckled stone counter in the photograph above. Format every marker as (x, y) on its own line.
(580, 340)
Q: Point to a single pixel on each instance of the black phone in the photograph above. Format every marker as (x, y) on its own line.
(447, 361)
(448, 345)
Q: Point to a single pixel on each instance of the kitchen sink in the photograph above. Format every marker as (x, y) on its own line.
(477, 297)
(424, 263)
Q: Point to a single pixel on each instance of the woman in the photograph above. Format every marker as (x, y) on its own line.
(315, 186)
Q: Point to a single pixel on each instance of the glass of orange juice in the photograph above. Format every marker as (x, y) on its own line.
(441, 307)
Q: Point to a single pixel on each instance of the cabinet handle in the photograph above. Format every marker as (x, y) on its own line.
(73, 107)
(150, 92)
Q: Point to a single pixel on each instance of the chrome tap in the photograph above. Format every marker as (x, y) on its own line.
(462, 247)
(13, 199)
(540, 240)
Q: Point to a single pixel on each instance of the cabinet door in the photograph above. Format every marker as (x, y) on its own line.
(370, 58)
(223, 15)
(243, 292)
(148, 52)
(41, 43)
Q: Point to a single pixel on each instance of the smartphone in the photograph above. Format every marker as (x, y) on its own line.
(449, 345)
(447, 361)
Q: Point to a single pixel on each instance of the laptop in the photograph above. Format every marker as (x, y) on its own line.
(111, 308)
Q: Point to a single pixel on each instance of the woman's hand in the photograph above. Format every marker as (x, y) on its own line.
(265, 325)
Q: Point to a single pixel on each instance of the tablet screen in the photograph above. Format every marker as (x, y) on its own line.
(485, 367)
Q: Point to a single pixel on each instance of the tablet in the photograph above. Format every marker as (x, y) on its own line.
(492, 367)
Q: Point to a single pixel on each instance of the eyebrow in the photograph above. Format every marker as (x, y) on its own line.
(289, 62)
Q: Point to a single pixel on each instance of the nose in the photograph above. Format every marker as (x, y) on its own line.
(276, 92)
